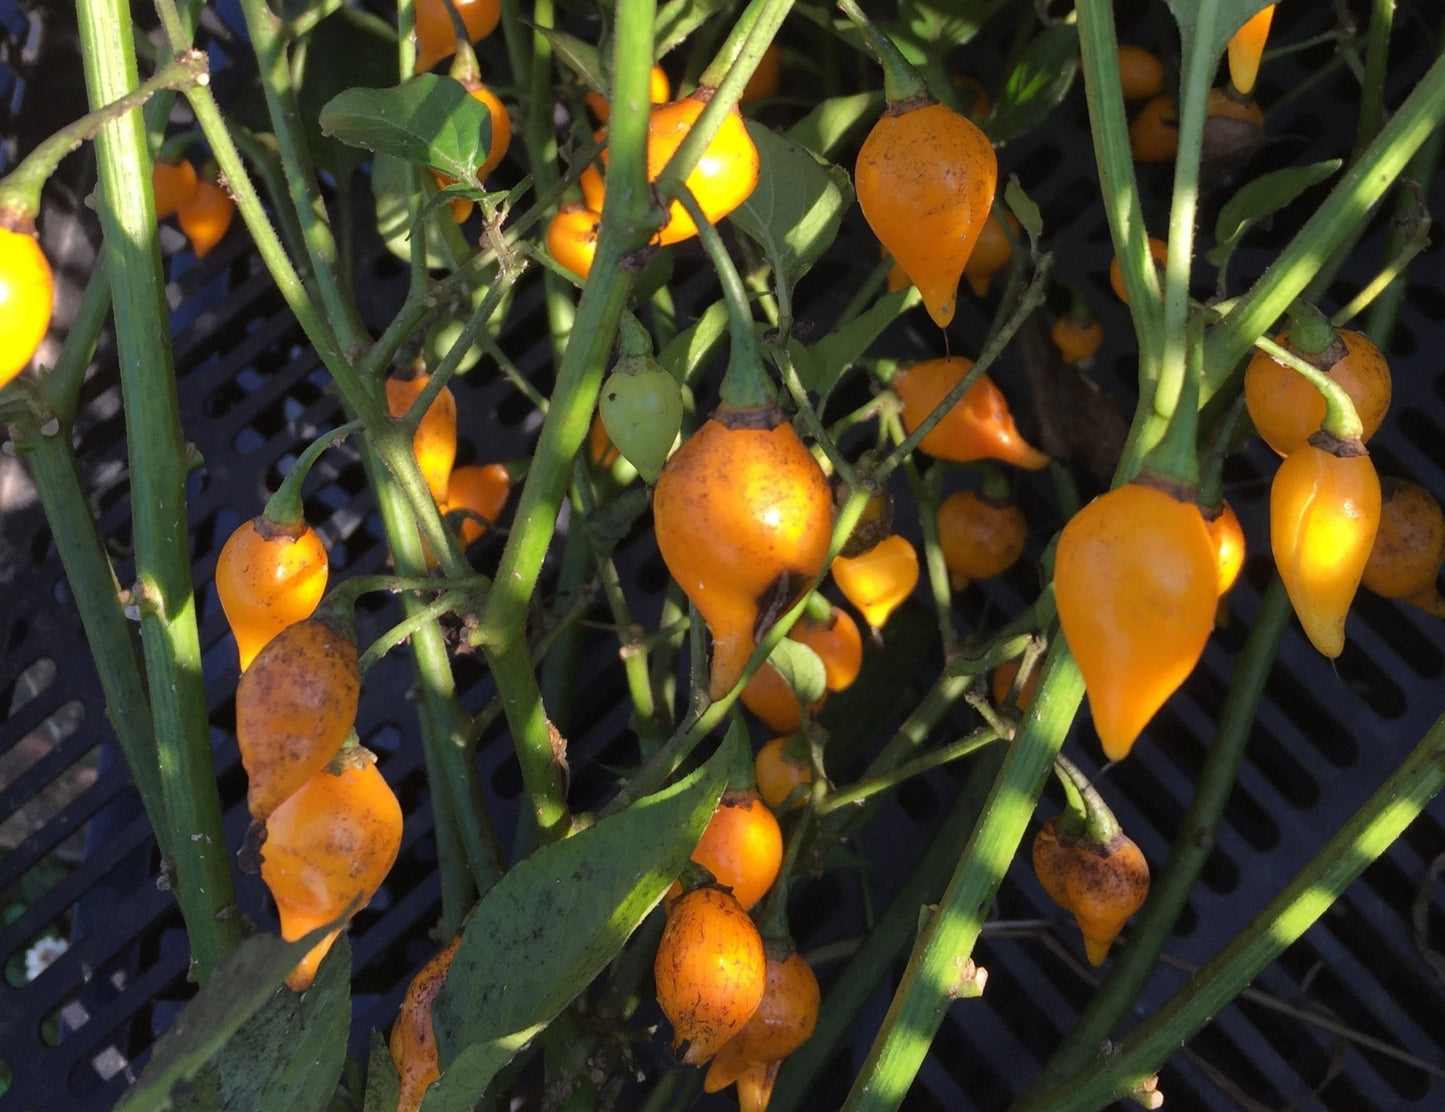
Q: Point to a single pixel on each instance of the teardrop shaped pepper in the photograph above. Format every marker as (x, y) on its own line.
(1228, 537)
(781, 771)
(742, 846)
(1135, 578)
(710, 971)
(743, 515)
(1101, 883)
(880, 580)
(992, 252)
(978, 426)
(328, 848)
(295, 706)
(434, 443)
(770, 698)
(480, 491)
(269, 576)
(784, 1021)
(925, 178)
(413, 1043)
(1246, 48)
(1324, 510)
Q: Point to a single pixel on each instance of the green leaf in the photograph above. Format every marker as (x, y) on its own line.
(1023, 207)
(839, 350)
(552, 924)
(1262, 197)
(1230, 16)
(582, 58)
(430, 119)
(239, 988)
(801, 667)
(1038, 83)
(797, 206)
(948, 22)
(677, 19)
(348, 48)
(828, 126)
(290, 1053)
(685, 352)
(383, 1085)
(392, 188)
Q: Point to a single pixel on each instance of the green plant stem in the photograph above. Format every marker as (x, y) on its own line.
(925, 496)
(932, 977)
(60, 388)
(1377, 61)
(944, 754)
(1340, 416)
(444, 603)
(1033, 297)
(1099, 50)
(20, 189)
(52, 466)
(901, 82)
(468, 856)
(268, 40)
(1134, 964)
(724, 98)
(1368, 834)
(1345, 209)
(875, 958)
(1199, 67)
(1401, 251)
(284, 507)
(157, 456)
(744, 385)
(579, 375)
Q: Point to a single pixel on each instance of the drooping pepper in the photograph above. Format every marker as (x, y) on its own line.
(743, 515)
(1135, 578)
(328, 848)
(1090, 867)
(880, 580)
(1246, 47)
(295, 706)
(269, 575)
(925, 177)
(1324, 510)
(978, 426)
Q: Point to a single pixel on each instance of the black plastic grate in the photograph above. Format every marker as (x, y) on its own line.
(251, 391)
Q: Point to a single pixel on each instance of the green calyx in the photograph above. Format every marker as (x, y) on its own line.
(1086, 816)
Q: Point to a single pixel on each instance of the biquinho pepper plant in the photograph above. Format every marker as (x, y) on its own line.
(805, 488)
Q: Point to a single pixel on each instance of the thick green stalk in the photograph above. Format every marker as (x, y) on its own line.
(1134, 964)
(1377, 61)
(268, 40)
(1099, 47)
(164, 593)
(875, 957)
(579, 377)
(52, 466)
(468, 857)
(1368, 834)
(932, 979)
(1346, 208)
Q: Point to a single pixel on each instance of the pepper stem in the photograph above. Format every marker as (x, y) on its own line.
(1341, 420)
(464, 68)
(284, 509)
(175, 147)
(901, 82)
(1312, 336)
(1173, 463)
(633, 340)
(745, 385)
(1087, 815)
(20, 189)
(732, 47)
